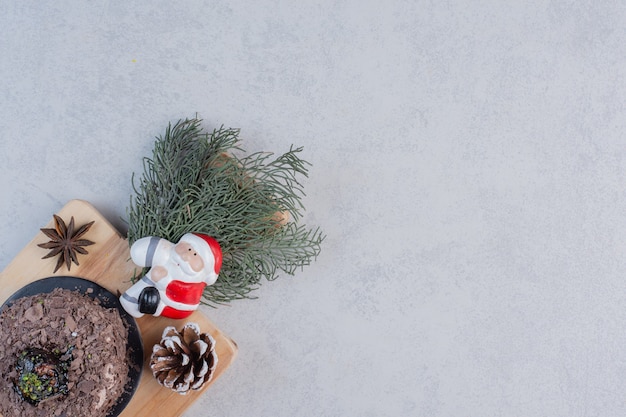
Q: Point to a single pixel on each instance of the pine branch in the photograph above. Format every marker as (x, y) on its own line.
(251, 205)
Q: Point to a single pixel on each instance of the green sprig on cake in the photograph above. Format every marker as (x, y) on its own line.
(252, 204)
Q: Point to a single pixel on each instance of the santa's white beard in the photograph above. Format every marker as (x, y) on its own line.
(176, 263)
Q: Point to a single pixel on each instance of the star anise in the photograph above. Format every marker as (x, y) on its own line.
(65, 242)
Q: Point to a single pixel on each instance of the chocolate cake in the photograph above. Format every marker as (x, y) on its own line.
(61, 337)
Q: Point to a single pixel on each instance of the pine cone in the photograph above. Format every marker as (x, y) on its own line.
(184, 360)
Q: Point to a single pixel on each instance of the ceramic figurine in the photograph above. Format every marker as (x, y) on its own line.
(177, 277)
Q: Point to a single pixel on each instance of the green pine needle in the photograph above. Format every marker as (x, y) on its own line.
(194, 182)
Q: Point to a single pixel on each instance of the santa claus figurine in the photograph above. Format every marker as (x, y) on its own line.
(177, 277)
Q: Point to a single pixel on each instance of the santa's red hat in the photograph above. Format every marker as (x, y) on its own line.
(209, 250)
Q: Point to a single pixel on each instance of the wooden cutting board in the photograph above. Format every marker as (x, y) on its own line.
(108, 264)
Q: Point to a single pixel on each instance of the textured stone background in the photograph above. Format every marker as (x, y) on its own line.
(469, 164)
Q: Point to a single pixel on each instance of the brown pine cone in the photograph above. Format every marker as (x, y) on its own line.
(184, 360)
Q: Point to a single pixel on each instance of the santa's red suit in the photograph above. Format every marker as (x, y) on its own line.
(177, 277)
(185, 293)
